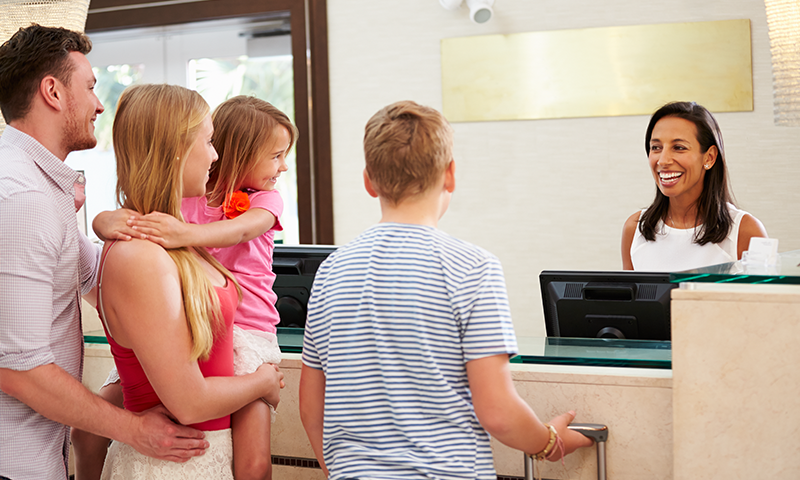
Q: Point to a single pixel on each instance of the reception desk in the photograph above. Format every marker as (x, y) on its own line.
(624, 384)
(736, 381)
(716, 402)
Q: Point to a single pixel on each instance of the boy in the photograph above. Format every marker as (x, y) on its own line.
(408, 335)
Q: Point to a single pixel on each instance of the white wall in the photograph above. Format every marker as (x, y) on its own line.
(544, 194)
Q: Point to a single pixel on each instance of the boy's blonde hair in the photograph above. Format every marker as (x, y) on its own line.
(407, 148)
(244, 128)
(155, 128)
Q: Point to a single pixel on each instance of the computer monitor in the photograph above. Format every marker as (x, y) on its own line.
(624, 304)
(295, 267)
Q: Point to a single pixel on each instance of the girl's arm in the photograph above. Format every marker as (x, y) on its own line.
(144, 310)
(169, 232)
(115, 225)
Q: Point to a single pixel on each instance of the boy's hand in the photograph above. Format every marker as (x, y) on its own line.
(572, 440)
(163, 229)
(114, 225)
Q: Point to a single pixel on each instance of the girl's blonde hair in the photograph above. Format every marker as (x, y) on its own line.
(244, 128)
(155, 128)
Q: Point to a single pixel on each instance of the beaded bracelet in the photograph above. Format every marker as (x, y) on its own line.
(556, 444)
(548, 449)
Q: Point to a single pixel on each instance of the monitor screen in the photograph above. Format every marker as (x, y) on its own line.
(624, 304)
(295, 267)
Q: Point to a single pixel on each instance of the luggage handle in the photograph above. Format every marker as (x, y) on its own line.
(595, 431)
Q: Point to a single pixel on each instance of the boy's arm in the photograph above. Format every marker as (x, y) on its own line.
(114, 225)
(506, 416)
(312, 408)
(169, 232)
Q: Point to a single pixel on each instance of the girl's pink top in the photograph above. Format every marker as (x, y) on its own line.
(250, 262)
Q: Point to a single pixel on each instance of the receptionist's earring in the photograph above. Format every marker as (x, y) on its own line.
(707, 166)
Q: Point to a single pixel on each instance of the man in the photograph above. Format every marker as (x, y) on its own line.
(47, 99)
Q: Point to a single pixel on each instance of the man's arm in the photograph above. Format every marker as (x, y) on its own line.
(312, 408)
(29, 252)
(57, 395)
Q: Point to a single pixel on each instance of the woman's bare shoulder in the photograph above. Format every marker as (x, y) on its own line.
(632, 223)
(749, 227)
(136, 257)
(752, 227)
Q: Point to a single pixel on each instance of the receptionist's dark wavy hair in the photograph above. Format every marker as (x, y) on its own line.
(712, 206)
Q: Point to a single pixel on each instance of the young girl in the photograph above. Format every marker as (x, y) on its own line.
(236, 220)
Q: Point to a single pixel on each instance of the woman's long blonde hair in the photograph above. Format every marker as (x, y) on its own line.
(155, 128)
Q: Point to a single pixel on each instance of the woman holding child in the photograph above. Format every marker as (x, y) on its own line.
(168, 314)
(693, 221)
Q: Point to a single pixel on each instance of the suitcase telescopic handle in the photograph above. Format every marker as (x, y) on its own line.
(595, 431)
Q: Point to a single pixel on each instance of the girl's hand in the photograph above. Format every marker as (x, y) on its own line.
(115, 225)
(273, 383)
(163, 229)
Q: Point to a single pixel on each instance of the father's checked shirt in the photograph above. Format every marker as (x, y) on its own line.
(45, 266)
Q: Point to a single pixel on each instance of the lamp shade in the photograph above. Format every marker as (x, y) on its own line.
(783, 18)
(16, 14)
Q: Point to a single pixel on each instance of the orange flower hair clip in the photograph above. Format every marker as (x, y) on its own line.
(238, 202)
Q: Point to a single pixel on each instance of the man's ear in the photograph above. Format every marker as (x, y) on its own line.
(450, 177)
(52, 93)
(368, 185)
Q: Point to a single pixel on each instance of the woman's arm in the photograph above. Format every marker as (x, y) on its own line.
(169, 232)
(144, 310)
(749, 228)
(628, 232)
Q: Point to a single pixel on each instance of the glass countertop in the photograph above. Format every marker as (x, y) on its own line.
(785, 271)
(604, 352)
(594, 352)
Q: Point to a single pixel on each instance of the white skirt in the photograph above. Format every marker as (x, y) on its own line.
(253, 348)
(125, 463)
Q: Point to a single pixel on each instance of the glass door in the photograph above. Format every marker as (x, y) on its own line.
(220, 59)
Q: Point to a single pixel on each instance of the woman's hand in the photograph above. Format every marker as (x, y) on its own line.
(273, 383)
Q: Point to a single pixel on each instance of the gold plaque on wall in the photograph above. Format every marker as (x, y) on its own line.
(597, 72)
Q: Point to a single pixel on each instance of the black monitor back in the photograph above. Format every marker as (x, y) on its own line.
(624, 304)
(295, 267)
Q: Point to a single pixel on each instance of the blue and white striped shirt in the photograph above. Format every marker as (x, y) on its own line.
(393, 319)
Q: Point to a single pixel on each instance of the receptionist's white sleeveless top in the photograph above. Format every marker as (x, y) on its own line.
(674, 249)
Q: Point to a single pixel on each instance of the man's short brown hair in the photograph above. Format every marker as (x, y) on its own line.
(407, 147)
(30, 55)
